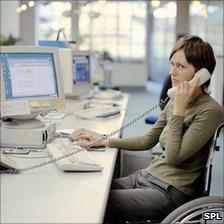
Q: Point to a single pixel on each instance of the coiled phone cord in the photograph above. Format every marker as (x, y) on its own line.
(90, 144)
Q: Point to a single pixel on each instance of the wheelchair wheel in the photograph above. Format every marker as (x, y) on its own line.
(194, 211)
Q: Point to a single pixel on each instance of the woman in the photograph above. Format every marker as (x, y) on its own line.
(184, 130)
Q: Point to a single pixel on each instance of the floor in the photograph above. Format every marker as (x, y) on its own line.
(139, 101)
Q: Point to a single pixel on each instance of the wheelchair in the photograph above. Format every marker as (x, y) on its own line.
(200, 209)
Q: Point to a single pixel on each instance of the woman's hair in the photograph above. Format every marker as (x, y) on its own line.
(198, 53)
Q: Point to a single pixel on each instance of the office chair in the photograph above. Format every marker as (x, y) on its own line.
(194, 210)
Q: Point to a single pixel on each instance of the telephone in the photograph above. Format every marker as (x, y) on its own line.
(202, 75)
(7, 165)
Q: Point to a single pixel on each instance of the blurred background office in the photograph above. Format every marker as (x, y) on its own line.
(138, 35)
(130, 41)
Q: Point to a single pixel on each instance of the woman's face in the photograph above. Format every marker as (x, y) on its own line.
(180, 69)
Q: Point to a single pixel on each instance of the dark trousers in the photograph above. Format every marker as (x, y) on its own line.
(140, 196)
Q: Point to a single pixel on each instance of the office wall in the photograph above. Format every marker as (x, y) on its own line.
(9, 18)
(129, 73)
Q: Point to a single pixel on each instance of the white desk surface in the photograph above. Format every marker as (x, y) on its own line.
(48, 195)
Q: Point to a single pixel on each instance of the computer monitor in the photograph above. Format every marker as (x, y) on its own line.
(76, 72)
(30, 82)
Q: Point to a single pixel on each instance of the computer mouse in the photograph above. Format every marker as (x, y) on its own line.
(81, 142)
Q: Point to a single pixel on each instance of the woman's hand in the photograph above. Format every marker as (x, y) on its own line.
(183, 96)
(92, 139)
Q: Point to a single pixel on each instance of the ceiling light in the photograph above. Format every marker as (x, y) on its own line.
(196, 3)
(23, 7)
(155, 3)
(18, 10)
(31, 3)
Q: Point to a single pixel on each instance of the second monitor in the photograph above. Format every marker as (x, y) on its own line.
(76, 72)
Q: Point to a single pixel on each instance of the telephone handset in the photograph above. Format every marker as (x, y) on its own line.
(7, 165)
(202, 75)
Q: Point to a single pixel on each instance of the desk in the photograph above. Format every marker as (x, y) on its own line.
(48, 195)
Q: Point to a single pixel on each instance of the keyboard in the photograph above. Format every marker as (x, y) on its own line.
(108, 94)
(54, 115)
(79, 161)
(98, 112)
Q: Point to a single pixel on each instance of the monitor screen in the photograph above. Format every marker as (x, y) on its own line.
(81, 69)
(29, 75)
